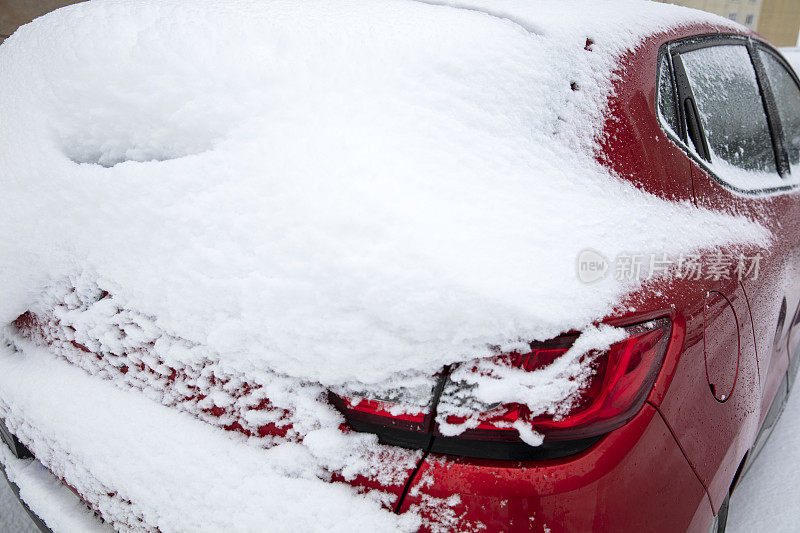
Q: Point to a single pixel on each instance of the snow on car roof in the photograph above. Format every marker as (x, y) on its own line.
(343, 183)
(615, 25)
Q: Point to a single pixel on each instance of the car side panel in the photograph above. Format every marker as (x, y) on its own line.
(634, 145)
(778, 278)
(635, 479)
(715, 435)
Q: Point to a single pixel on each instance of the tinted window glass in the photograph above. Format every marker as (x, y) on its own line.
(666, 97)
(787, 97)
(731, 110)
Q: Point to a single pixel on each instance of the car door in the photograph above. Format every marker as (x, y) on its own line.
(784, 88)
(747, 165)
(728, 128)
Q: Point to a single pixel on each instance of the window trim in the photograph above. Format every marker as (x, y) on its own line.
(762, 46)
(771, 109)
(686, 102)
(671, 51)
(667, 58)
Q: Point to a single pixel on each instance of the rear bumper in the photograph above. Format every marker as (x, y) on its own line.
(634, 479)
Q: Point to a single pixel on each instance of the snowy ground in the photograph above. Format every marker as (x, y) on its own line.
(767, 498)
(13, 518)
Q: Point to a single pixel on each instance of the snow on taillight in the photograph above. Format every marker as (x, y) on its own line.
(400, 411)
(558, 391)
(550, 400)
(462, 411)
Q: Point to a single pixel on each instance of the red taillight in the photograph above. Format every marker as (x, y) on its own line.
(614, 392)
(381, 412)
(402, 415)
(622, 377)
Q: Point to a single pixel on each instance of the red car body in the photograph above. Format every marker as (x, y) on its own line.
(674, 464)
(725, 374)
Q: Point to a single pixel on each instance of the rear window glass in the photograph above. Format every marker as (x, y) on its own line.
(732, 114)
(787, 98)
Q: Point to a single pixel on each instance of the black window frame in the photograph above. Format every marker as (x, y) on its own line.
(762, 46)
(667, 58)
(692, 138)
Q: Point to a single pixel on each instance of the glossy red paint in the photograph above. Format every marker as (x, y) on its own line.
(635, 479)
(671, 467)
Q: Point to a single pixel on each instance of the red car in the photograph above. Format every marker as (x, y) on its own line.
(678, 411)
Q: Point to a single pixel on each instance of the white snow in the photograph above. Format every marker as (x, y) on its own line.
(179, 473)
(53, 502)
(336, 182)
(766, 498)
(309, 194)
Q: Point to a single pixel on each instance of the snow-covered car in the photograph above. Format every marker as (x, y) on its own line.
(393, 265)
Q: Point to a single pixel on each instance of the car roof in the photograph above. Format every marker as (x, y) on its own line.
(616, 24)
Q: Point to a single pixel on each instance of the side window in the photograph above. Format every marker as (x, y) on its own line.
(787, 98)
(666, 97)
(732, 114)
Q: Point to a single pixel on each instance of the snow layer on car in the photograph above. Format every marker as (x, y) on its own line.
(327, 191)
(332, 190)
(195, 479)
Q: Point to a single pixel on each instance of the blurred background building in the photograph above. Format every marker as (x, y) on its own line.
(15, 13)
(780, 21)
(747, 12)
(777, 20)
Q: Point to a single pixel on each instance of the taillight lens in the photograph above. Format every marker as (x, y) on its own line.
(611, 394)
(605, 399)
(400, 412)
(624, 376)
(381, 412)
